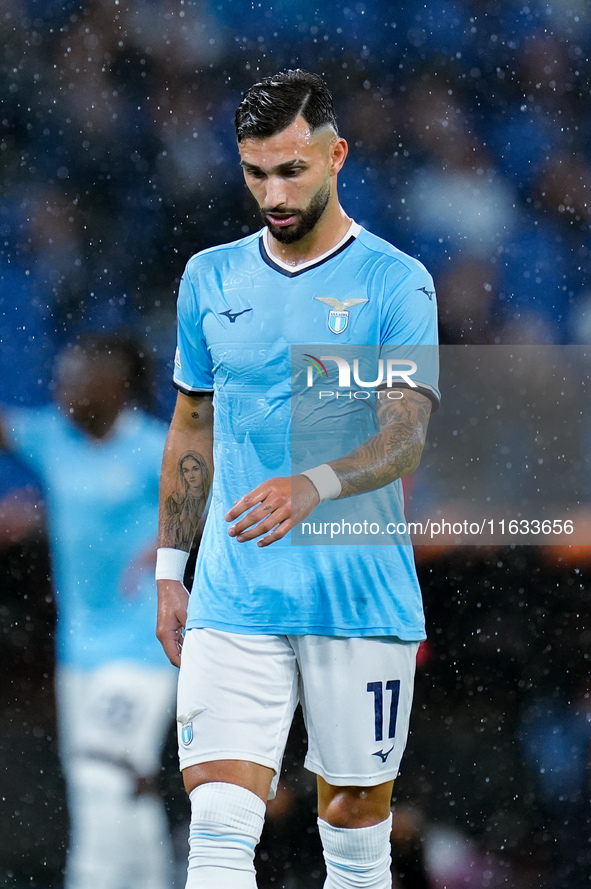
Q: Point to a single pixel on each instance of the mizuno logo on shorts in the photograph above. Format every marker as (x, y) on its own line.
(383, 756)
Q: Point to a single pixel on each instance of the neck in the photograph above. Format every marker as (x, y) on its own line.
(96, 425)
(326, 234)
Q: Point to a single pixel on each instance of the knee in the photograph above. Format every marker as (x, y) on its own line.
(354, 807)
(245, 774)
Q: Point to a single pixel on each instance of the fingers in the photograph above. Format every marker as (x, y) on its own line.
(277, 533)
(266, 508)
(172, 645)
(272, 509)
(260, 521)
(170, 637)
(172, 616)
(247, 502)
(275, 527)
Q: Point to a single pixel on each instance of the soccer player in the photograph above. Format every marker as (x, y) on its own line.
(98, 457)
(270, 623)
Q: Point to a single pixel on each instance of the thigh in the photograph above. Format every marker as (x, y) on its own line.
(236, 698)
(356, 695)
(119, 712)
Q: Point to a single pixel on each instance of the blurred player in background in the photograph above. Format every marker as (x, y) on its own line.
(21, 505)
(269, 623)
(97, 454)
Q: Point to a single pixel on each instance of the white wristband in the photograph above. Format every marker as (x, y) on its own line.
(170, 563)
(325, 480)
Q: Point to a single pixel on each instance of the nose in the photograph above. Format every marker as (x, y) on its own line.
(275, 194)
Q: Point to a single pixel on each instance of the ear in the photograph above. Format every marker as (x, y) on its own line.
(338, 152)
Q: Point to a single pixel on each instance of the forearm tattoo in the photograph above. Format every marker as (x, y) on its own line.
(185, 506)
(395, 451)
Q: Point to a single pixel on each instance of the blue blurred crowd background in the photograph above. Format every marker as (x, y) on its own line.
(468, 120)
(469, 125)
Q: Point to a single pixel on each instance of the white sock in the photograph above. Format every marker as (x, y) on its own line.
(226, 825)
(357, 857)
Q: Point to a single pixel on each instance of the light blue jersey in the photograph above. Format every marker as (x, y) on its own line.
(102, 507)
(239, 312)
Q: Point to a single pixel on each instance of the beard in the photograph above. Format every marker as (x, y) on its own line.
(305, 219)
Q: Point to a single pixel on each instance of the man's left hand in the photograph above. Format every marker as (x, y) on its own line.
(272, 509)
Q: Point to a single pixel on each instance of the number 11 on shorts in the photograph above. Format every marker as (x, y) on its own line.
(377, 689)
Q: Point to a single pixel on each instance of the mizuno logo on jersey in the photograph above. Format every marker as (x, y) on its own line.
(430, 293)
(233, 315)
(383, 756)
(338, 317)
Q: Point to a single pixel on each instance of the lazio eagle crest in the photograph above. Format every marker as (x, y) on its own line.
(338, 317)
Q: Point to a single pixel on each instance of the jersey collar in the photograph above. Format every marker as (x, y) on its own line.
(291, 271)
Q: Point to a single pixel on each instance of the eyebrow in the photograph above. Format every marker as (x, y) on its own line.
(280, 168)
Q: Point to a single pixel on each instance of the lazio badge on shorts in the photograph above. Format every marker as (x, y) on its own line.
(338, 317)
(187, 733)
(186, 726)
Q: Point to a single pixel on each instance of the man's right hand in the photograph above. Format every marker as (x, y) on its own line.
(173, 599)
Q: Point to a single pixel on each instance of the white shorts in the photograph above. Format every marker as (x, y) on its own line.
(237, 695)
(119, 713)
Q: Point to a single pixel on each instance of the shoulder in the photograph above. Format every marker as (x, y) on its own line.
(134, 422)
(223, 254)
(395, 261)
(41, 417)
(38, 433)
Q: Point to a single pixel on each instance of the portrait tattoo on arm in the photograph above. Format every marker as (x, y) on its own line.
(395, 451)
(184, 508)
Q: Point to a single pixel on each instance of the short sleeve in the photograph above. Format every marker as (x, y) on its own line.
(192, 363)
(410, 311)
(409, 331)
